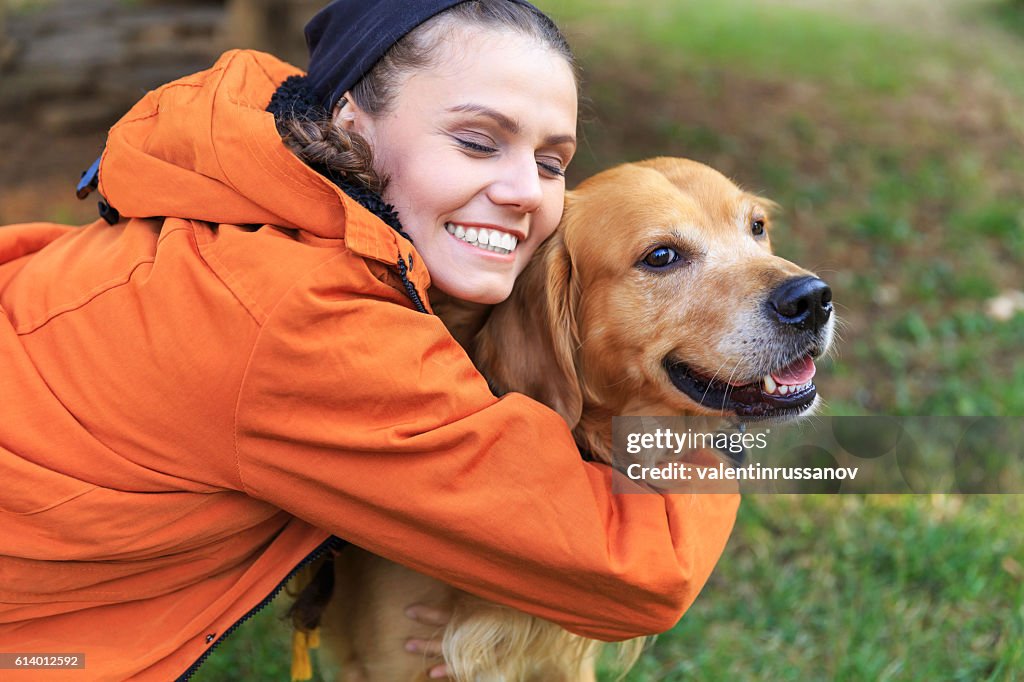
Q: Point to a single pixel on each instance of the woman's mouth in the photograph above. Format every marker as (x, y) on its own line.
(484, 238)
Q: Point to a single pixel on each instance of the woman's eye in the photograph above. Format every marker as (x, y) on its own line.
(552, 167)
(475, 147)
(757, 228)
(661, 257)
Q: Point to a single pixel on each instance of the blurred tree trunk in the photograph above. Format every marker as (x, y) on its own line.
(274, 26)
(6, 44)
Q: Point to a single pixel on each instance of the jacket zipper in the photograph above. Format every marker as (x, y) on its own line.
(331, 543)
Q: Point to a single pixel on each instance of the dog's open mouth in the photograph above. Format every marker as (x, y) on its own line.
(784, 392)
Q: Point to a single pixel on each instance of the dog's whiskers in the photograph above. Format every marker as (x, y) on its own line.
(713, 377)
(728, 390)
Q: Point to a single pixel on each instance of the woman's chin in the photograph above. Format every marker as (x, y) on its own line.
(484, 290)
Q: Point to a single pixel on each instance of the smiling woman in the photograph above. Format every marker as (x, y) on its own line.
(466, 127)
(257, 377)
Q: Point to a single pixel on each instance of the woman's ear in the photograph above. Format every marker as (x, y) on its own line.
(345, 112)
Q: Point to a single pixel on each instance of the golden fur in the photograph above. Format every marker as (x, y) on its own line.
(589, 357)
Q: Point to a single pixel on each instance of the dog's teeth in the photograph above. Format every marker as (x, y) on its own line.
(471, 235)
(770, 387)
(449, 228)
(508, 242)
(460, 231)
(483, 238)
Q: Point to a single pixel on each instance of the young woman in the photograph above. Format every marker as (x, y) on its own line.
(238, 367)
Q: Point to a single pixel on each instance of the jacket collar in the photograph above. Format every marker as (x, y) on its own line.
(295, 98)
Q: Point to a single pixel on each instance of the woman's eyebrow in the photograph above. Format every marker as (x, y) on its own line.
(509, 125)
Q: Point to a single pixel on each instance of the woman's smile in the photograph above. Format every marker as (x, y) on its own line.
(487, 238)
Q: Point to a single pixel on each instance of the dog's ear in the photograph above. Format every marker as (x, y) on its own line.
(530, 341)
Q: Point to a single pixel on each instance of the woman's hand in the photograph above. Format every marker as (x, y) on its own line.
(429, 648)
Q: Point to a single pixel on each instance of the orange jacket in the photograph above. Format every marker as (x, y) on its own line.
(195, 399)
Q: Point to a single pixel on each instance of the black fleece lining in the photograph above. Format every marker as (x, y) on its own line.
(295, 99)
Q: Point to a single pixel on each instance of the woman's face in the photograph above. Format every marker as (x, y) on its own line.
(476, 148)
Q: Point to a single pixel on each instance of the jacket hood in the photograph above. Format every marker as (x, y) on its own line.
(205, 148)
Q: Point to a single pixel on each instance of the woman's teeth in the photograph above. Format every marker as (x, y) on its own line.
(489, 240)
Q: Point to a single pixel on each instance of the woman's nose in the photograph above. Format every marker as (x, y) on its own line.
(518, 185)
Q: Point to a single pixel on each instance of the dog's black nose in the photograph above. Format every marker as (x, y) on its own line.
(802, 302)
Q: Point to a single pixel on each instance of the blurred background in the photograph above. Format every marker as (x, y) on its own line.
(892, 136)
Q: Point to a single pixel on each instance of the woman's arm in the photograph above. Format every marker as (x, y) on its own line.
(367, 419)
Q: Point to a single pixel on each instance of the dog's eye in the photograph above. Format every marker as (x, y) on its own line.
(661, 257)
(757, 228)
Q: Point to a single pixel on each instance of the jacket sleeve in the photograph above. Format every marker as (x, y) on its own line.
(24, 239)
(366, 419)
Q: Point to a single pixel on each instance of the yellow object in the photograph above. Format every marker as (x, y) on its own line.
(302, 642)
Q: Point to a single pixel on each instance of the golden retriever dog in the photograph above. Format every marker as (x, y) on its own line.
(658, 295)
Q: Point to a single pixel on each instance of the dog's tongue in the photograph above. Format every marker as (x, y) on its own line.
(797, 374)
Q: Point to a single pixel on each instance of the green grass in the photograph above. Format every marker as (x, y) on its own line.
(25, 6)
(764, 37)
(259, 650)
(890, 588)
(1007, 15)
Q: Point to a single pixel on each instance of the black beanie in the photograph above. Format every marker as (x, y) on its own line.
(348, 37)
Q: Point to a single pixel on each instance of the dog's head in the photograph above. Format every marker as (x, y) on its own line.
(659, 295)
